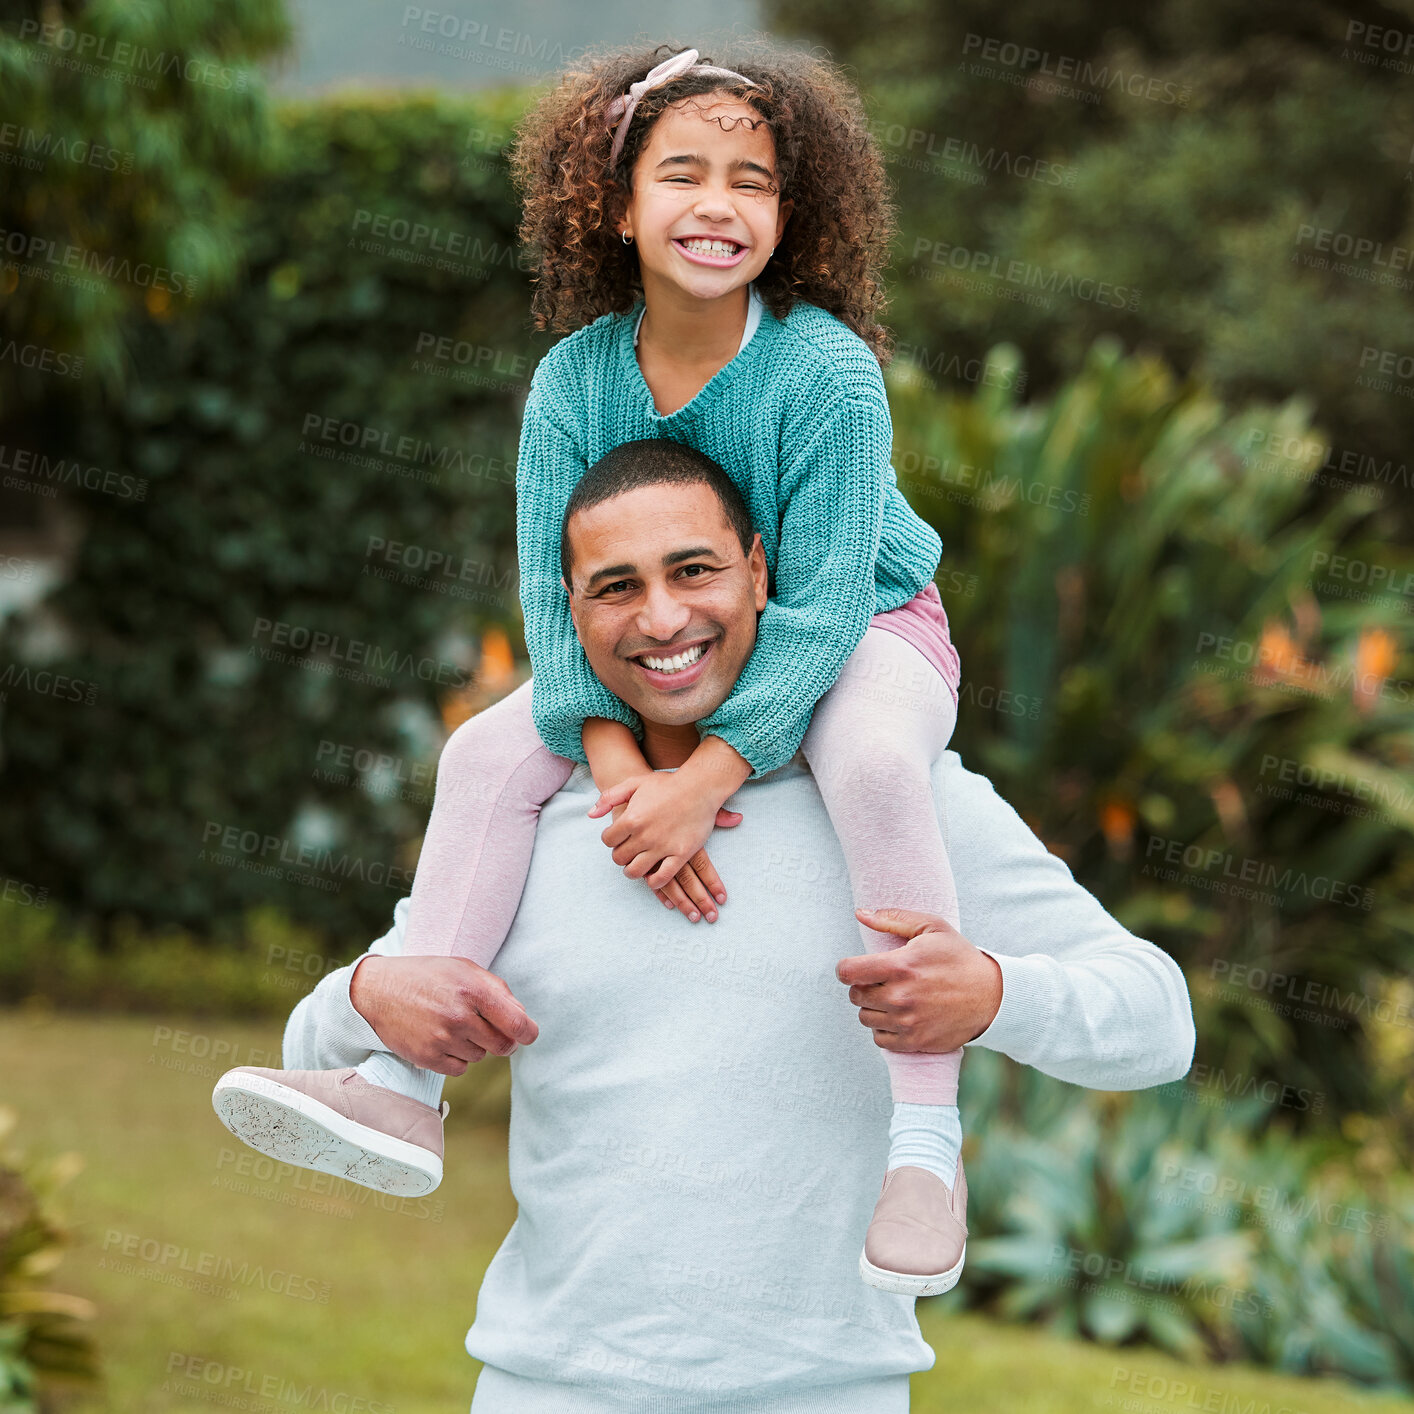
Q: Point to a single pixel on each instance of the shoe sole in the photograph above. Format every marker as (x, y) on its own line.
(911, 1283)
(294, 1128)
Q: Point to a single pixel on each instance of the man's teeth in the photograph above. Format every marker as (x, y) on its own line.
(676, 664)
(703, 247)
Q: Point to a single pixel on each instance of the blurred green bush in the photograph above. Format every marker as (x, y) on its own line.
(130, 132)
(312, 431)
(1149, 649)
(1212, 1233)
(1127, 1218)
(1229, 185)
(45, 1344)
(50, 959)
(271, 637)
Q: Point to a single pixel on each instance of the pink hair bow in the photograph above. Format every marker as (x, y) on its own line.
(621, 109)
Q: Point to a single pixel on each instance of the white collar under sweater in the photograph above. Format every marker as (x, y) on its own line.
(753, 317)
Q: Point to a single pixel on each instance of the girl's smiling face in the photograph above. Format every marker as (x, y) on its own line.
(705, 214)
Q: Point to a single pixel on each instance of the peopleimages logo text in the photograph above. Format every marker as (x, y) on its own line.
(356, 652)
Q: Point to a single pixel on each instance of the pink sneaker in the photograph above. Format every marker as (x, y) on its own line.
(335, 1121)
(917, 1238)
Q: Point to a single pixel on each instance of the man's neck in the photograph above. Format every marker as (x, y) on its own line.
(666, 746)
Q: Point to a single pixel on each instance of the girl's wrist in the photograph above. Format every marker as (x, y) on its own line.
(717, 768)
(612, 752)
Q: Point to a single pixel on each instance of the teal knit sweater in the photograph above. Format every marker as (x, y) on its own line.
(799, 419)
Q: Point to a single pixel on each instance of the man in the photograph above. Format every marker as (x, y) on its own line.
(697, 1125)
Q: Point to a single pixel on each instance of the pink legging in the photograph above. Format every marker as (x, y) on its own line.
(870, 745)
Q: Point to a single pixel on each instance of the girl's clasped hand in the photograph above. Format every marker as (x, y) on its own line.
(660, 827)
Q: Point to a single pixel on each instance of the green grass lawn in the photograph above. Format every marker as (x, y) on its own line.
(344, 1298)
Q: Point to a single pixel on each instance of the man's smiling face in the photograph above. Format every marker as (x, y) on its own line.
(664, 600)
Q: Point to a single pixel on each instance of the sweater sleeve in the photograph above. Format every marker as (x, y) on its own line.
(564, 691)
(1083, 999)
(832, 506)
(324, 1031)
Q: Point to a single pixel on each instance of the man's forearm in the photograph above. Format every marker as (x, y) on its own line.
(1083, 999)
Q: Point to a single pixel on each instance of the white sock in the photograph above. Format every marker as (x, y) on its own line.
(393, 1072)
(927, 1136)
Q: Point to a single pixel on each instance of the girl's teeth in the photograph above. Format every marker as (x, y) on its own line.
(712, 247)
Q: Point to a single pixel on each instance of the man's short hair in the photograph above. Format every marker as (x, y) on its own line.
(654, 461)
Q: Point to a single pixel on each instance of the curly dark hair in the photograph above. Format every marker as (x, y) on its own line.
(835, 244)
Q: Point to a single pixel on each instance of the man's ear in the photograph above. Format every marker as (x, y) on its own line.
(574, 616)
(756, 559)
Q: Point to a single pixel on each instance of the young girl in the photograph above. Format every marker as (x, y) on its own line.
(716, 237)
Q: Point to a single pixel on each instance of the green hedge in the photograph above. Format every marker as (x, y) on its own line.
(307, 446)
(51, 961)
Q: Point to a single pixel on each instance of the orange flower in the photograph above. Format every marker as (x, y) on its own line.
(1279, 656)
(495, 676)
(1117, 821)
(497, 662)
(1277, 653)
(1375, 657)
(456, 708)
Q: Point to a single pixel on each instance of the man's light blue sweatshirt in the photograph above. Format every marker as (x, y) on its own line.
(799, 419)
(699, 1133)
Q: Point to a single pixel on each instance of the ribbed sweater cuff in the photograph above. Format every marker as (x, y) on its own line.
(1023, 1020)
(348, 1027)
